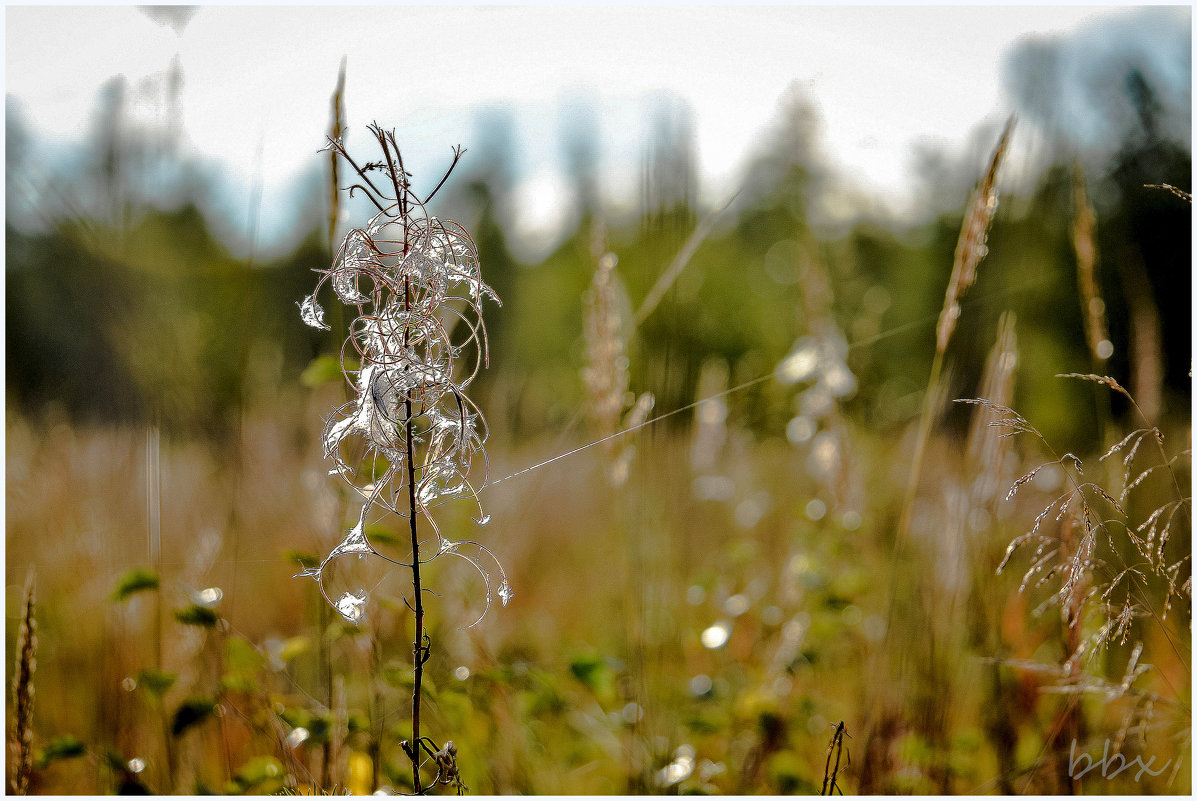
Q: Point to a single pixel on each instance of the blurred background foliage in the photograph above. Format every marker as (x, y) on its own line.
(127, 312)
(123, 311)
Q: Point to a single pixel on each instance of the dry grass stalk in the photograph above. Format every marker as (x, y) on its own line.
(710, 417)
(336, 131)
(987, 449)
(1180, 193)
(680, 261)
(829, 772)
(985, 469)
(21, 739)
(1147, 357)
(1084, 242)
(339, 718)
(970, 248)
(1103, 598)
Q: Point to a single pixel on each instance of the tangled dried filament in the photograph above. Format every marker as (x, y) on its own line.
(417, 288)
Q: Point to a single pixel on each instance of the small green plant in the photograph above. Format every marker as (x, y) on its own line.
(408, 440)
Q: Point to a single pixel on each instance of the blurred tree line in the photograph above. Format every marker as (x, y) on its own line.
(123, 309)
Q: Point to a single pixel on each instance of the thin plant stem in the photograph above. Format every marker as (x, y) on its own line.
(417, 590)
(920, 446)
(418, 641)
(830, 773)
(325, 656)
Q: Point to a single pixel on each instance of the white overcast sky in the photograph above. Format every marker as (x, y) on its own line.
(257, 80)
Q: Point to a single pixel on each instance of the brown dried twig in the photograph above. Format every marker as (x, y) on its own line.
(836, 744)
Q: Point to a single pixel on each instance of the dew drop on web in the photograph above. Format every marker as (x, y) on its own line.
(350, 605)
(345, 285)
(505, 592)
(312, 314)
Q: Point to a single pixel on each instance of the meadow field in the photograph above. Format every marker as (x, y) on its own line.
(781, 509)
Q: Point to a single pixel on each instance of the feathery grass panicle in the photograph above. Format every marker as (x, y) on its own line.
(970, 248)
(1087, 557)
(1180, 193)
(606, 326)
(21, 738)
(1101, 563)
(605, 316)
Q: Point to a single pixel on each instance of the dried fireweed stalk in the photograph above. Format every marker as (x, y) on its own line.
(411, 438)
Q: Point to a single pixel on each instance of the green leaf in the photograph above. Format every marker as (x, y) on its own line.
(293, 647)
(129, 785)
(113, 759)
(340, 628)
(191, 712)
(321, 370)
(65, 747)
(242, 657)
(196, 615)
(399, 676)
(301, 558)
(156, 682)
(296, 717)
(357, 722)
(593, 671)
(238, 683)
(127, 782)
(243, 663)
(319, 727)
(378, 466)
(383, 537)
(139, 579)
(403, 677)
(262, 775)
